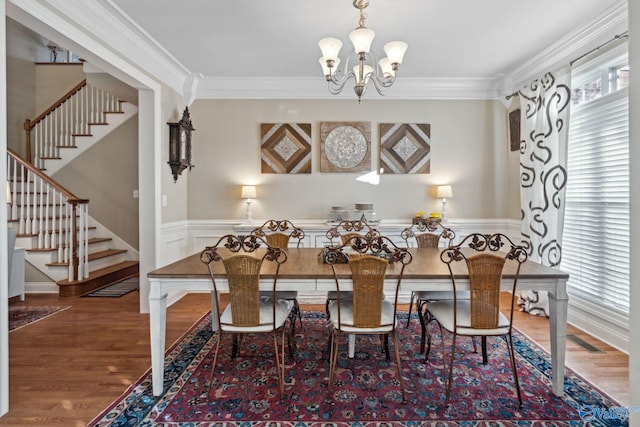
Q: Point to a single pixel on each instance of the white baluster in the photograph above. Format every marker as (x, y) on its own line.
(40, 215)
(14, 198)
(47, 236)
(69, 243)
(23, 221)
(86, 241)
(80, 242)
(61, 224)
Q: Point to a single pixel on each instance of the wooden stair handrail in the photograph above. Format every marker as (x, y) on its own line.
(71, 198)
(30, 124)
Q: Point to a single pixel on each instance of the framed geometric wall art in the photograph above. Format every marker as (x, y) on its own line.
(405, 148)
(286, 147)
(345, 146)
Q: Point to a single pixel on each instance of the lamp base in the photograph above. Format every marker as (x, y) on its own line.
(248, 220)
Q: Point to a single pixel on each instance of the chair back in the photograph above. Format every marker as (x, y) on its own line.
(428, 240)
(369, 257)
(278, 233)
(242, 258)
(485, 257)
(485, 278)
(347, 230)
(279, 240)
(347, 237)
(367, 274)
(243, 276)
(428, 233)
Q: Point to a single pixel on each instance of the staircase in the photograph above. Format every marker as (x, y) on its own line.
(52, 224)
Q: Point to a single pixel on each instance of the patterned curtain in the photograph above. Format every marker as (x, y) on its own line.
(544, 124)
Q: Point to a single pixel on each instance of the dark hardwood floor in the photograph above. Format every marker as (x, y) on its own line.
(64, 370)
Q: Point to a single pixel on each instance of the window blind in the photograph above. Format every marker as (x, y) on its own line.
(596, 226)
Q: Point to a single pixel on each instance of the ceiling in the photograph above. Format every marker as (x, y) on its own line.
(269, 48)
(279, 38)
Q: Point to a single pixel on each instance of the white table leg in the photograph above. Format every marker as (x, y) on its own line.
(558, 304)
(352, 345)
(158, 328)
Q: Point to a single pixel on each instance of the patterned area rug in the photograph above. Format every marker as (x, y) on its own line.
(366, 391)
(20, 316)
(118, 289)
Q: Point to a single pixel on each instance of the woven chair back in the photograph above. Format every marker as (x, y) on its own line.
(368, 273)
(346, 237)
(485, 277)
(278, 240)
(243, 275)
(428, 240)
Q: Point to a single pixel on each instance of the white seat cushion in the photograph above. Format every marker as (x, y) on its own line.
(346, 313)
(443, 311)
(283, 309)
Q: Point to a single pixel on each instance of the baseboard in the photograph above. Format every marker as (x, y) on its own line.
(41, 288)
(606, 325)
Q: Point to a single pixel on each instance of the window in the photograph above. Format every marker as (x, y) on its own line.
(596, 228)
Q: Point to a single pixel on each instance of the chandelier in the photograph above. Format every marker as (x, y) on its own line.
(366, 69)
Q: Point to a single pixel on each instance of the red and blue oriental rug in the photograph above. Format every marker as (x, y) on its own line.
(20, 315)
(366, 391)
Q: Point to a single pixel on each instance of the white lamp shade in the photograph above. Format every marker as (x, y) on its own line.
(444, 192)
(325, 68)
(330, 48)
(361, 39)
(366, 73)
(395, 51)
(248, 192)
(387, 69)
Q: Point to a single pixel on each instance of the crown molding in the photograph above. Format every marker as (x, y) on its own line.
(316, 88)
(611, 21)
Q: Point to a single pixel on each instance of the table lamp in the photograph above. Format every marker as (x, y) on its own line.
(443, 192)
(249, 193)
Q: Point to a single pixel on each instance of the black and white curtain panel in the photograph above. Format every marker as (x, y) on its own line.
(544, 125)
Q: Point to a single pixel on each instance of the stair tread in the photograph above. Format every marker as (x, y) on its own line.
(92, 256)
(100, 273)
(90, 241)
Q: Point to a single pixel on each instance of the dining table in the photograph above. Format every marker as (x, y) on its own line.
(305, 270)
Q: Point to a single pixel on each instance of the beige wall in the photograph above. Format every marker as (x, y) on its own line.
(107, 174)
(175, 192)
(469, 151)
(55, 80)
(20, 101)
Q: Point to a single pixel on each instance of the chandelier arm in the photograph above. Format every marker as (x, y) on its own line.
(337, 84)
(381, 82)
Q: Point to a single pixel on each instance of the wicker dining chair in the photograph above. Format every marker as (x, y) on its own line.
(429, 234)
(279, 234)
(347, 233)
(480, 315)
(247, 313)
(367, 312)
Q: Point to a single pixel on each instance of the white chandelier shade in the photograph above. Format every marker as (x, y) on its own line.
(367, 69)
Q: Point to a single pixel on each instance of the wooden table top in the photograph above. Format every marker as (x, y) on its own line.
(306, 263)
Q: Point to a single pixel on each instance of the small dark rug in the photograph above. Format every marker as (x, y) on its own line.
(21, 315)
(366, 391)
(117, 289)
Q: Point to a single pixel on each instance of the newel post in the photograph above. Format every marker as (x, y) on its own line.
(27, 128)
